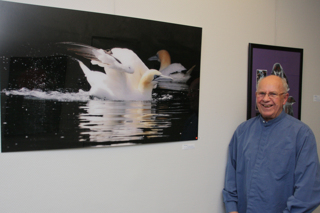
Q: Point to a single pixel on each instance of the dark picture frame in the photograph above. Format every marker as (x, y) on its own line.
(45, 98)
(286, 62)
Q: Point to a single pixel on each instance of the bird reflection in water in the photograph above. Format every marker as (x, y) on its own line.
(121, 121)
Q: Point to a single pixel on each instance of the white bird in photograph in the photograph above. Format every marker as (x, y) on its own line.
(175, 70)
(126, 77)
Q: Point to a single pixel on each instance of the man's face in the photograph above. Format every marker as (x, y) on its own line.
(270, 97)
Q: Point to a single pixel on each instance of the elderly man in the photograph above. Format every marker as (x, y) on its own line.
(273, 164)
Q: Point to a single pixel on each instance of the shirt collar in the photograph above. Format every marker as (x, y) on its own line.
(273, 121)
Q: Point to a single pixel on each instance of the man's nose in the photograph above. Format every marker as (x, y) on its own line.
(266, 97)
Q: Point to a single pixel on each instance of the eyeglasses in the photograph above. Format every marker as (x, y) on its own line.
(270, 94)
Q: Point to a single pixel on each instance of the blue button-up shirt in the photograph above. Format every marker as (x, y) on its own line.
(272, 167)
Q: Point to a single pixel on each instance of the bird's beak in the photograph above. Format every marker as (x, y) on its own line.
(162, 78)
(154, 58)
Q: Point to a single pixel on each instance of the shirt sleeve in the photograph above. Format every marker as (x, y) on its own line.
(230, 195)
(306, 196)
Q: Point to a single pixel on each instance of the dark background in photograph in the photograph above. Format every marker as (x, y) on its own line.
(31, 58)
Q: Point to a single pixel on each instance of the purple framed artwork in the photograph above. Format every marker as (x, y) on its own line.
(285, 62)
(74, 79)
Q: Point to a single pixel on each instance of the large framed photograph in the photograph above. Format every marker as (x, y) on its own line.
(74, 79)
(285, 62)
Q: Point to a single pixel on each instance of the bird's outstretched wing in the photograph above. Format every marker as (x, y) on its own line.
(97, 56)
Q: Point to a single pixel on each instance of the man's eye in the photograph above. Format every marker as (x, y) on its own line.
(272, 94)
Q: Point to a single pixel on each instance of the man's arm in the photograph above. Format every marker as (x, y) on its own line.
(230, 195)
(306, 195)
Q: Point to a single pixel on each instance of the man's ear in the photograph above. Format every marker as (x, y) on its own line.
(286, 96)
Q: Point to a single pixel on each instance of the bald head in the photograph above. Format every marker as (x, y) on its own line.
(274, 79)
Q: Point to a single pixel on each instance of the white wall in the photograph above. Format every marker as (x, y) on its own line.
(162, 177)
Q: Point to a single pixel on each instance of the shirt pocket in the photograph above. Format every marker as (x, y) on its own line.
(279, 163)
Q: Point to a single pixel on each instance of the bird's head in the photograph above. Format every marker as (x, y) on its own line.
(152, 77)
(162, 56)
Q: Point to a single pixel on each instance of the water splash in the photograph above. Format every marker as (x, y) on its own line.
(82, 96)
